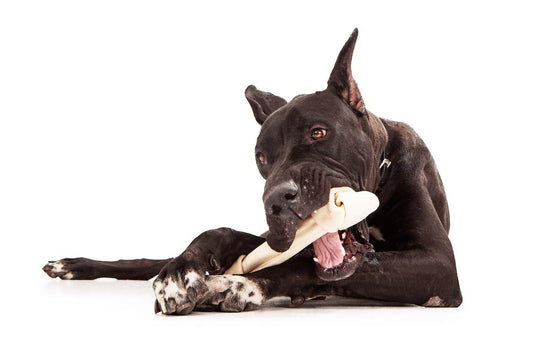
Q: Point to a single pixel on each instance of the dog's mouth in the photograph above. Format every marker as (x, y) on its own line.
(337, 255)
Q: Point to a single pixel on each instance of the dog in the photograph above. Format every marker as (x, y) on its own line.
(400, 254)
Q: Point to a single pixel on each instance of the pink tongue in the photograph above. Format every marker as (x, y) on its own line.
(329, 250)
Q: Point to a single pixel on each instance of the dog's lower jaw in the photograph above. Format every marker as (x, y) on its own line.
(355, 250)
(337, 273)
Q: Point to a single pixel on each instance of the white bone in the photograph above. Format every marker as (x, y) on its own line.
(344, 209)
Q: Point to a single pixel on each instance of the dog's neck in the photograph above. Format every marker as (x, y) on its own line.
(380, 139)
(380, 136)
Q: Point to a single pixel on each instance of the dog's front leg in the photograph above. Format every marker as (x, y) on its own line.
(189, 281)
(416, 276)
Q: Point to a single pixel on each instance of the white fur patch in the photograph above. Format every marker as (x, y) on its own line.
(57, 267)
(232, 292)
(239, 286)
(170, 288)
(190, 278)
(173, 288)
(434, 301)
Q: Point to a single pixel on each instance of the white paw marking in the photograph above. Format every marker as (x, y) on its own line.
(57, 267)
(190, 278)
(245, 289)
(434, 301)
(172, 287)
(239, 291)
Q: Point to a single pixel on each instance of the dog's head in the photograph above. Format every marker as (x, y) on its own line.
(309, 145)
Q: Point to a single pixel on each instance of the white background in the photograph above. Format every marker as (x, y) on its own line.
(121, 120)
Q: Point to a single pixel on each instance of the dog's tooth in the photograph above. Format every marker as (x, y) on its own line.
(315, 260)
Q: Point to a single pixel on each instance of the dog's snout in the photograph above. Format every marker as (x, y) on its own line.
(281, 197)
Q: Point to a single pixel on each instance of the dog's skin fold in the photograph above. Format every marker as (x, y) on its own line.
(401, 253)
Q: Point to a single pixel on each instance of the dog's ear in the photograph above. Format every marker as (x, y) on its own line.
(263, 103)
(341, 81)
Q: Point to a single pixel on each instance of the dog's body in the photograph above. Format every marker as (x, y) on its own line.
(401, 253)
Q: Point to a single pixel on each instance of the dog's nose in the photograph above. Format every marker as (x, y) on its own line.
(281, 197)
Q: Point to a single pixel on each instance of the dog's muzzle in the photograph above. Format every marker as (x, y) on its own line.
(282, 204)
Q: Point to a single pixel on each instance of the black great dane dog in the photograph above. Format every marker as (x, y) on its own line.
(401, 253)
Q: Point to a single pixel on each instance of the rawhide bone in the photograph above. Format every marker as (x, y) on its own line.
(344, 209)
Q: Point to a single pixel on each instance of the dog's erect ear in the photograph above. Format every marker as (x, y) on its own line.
(341, 81)
(263, 103)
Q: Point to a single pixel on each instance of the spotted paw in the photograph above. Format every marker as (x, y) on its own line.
(233, 293)
(64, 268)
(179, 292)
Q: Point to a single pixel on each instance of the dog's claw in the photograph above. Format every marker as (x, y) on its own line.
(157, 307)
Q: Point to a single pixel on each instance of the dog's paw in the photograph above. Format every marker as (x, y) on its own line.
(234, 293)
(182, 291)
(62, 268)
(179, 292)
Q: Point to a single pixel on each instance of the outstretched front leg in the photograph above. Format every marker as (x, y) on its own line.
(89, 269)
(220, 247)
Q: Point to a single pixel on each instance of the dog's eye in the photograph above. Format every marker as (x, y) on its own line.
(261, 159)
(318, 133)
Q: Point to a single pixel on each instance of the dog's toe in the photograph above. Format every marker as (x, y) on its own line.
(185, 308)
